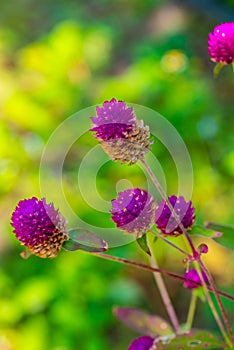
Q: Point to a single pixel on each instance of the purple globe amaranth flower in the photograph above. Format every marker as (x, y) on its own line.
(39, 227)
(114, 120)
(194, 277)
(221, 43)
(134, 211)
(142, 343)
(122, 136)
(165, 220)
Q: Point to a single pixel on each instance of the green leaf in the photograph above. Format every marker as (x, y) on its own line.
(222, 234)
(80, 239)
(204, 231)
(196, 339)
(226, 234)
(142, 322)
(142, 242)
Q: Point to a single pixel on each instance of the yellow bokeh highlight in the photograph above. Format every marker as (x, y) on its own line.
(174, 61)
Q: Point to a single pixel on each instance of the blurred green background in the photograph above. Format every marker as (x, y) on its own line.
(58, 57)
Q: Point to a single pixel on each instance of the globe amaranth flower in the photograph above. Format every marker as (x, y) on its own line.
(114, 120)
(134, 211)
(166, 221)
(39, 227)
(194, 277)
(221, 43)
(142, 343)
(122, 136)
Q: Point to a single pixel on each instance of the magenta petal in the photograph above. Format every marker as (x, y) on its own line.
(194, 276)
(167, 223)
(141, 343)
(221, 43)
(133, 211)
(38, 226)
(114, 120)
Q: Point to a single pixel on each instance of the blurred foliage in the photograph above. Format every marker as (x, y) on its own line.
(58, 57)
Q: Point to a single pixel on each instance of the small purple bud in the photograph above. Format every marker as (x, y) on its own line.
(142, 343)
(194, 276)
(203, 248)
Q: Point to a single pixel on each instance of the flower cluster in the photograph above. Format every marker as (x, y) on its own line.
(43, 230)
(134, 211)
(39, 227)
(221, 43)
(122, 136)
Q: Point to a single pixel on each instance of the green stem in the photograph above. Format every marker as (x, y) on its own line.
(164, 196)
(163, 291)
(213, 286)
(169, 242)
(192, 309)
(212, 306)
(194, 253)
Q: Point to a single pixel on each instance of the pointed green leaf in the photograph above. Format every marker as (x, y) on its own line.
(196, 339)
(80, 239)
(222, 234)
(204, 231)
(142, 322)
(142, 242)
(226, 234)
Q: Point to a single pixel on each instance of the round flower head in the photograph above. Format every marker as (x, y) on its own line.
(133, 211)
(142, 343)
(167, 223)
(122, 136)
(194, 276)
(39, 227)
(221, 43)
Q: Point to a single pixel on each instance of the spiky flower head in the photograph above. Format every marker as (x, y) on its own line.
(194, 277)
(144, 342)
(114, 120)
(221, 43)
(122, 136)
(39, 227)
(166, 221)
(134, 211)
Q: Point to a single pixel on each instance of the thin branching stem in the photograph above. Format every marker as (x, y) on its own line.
(191, 311)
(169, 242)
(164, 196)
(213, 286)
(196, 256)
(152, 269)
(163, 290)
(212, 306)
